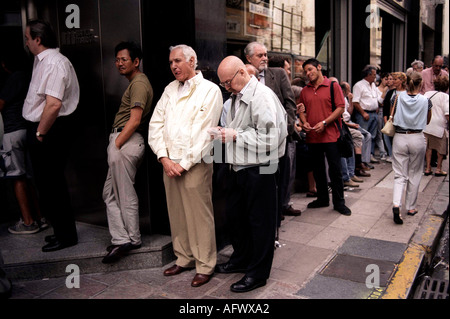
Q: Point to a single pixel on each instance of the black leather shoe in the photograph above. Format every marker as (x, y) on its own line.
(317, 204)
(58, 245)
(344, 210)
(116, 253)
(247, 284)
(50, 238)
(228, 268)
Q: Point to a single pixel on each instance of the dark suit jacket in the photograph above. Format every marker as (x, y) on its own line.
(277, 80)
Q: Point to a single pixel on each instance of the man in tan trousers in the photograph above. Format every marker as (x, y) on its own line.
(179, 138)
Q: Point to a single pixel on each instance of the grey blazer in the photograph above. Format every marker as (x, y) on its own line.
(277, 80)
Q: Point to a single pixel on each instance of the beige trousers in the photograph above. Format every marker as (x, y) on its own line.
(189, 202)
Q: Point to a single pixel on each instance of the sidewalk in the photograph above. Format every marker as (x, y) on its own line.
(322, 254)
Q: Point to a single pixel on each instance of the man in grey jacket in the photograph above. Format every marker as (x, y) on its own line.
(255, 138)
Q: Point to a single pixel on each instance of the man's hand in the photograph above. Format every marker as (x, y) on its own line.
(301, 108)
(171, 168)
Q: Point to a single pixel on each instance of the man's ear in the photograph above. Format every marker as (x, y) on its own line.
(319, 67)
(248, 58)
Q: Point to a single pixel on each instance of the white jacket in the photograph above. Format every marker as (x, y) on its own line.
(178, 127)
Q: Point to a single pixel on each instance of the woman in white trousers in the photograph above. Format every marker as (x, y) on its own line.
(413, 113)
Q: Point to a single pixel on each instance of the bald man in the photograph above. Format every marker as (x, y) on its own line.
(255, 138)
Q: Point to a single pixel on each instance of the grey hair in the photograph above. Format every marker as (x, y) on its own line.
(419, 63)
(367, 70)
(250, 48)
(188, 53)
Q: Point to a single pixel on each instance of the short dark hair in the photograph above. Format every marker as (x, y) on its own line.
(43, 30)
(277, 61)
(133, 48)
(312, 61)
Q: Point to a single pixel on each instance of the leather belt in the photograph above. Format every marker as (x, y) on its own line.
(409, 132)
(117, 129)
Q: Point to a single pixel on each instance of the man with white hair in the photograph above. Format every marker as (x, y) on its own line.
(277, 80)
(417, 66)
(178, 136)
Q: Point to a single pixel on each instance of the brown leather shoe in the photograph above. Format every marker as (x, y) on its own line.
(361, 173)
(200, 279)
(174, 270)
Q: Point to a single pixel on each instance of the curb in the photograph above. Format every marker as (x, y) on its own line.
(419, 253)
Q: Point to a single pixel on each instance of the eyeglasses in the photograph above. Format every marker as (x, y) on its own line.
(437, 66)
(228, 83)
(123, 60)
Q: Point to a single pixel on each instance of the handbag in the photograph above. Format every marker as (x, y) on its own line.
(345, 140)
(389, 128)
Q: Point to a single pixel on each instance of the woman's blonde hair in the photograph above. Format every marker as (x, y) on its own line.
(414, 81)
(401, 76)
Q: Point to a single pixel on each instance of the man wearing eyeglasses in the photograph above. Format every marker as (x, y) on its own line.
(178, 135)
(125, 152)
(254, 138)
(430, 74)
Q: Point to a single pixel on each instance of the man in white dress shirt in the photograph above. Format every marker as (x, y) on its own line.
(366, 97)
(52, 98)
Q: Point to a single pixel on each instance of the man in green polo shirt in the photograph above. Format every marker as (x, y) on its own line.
(125, 152)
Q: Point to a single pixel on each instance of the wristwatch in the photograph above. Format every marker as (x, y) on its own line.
(38, 134)
(324, 123)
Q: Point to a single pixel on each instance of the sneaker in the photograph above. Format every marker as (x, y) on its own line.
(21, 229)
(356, 179)
(388, 159)
(43, 224)
(351, 183)
(374, 160)
(383, 157)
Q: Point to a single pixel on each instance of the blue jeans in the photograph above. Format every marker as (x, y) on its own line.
(371, 126)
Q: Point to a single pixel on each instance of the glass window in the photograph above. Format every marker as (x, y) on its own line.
(284, 26)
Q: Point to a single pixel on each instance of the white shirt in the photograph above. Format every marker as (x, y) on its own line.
(179, 124)
(53, 75)
(440, 109)
(366, 95)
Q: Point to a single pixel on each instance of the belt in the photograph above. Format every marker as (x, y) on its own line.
(370, 111)
(117, 130)
(409, 132)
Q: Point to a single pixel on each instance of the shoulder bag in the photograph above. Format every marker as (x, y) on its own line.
(389, 128)
(345, 140)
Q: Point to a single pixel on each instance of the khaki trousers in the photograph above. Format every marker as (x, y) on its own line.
(119, 195)
(189, 202)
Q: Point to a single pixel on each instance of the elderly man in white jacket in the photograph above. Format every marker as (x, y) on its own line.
(178, 136)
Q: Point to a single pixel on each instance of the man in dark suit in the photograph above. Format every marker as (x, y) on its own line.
(277, 80)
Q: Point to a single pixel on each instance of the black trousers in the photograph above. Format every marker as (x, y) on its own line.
(330, 151)
(251, 211)
(49, 159)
